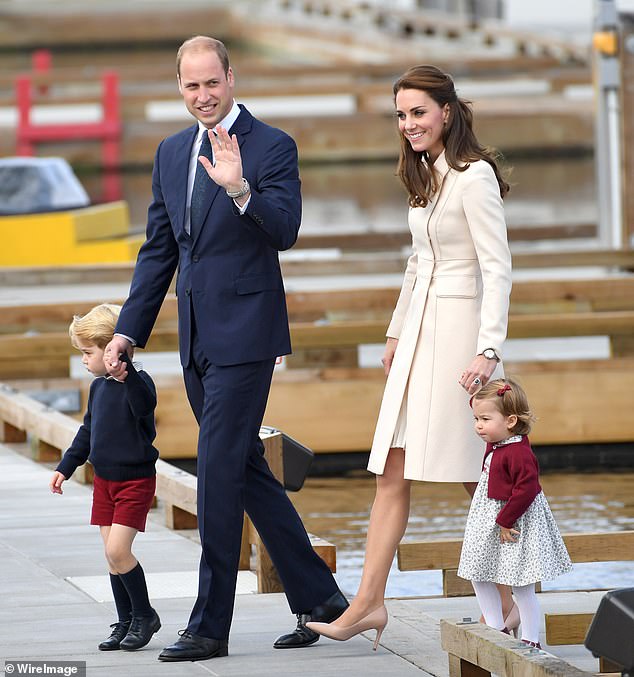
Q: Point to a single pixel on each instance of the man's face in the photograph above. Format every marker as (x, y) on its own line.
(207, 91)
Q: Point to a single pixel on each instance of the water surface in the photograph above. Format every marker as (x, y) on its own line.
(337, 509)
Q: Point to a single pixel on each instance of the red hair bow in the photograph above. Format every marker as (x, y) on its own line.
(501, 391)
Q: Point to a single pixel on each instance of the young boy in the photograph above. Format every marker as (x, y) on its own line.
(123, 458)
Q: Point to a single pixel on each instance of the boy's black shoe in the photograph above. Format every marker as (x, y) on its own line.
(141, 630)
(119, 631)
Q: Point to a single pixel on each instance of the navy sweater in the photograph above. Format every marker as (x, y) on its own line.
(118, 429)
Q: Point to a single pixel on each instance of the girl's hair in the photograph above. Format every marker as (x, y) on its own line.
(510, 399)
(458, 137)
(96, 327)
(203, 43)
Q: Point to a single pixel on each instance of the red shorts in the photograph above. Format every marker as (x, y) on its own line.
(126, 503)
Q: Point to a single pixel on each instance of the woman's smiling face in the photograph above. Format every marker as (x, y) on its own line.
(421, 121)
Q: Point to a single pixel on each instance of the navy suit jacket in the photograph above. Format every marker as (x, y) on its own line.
(228, 274)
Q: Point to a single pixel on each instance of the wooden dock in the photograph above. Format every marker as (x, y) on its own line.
(57, 606)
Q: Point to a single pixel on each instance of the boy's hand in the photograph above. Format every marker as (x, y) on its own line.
(508, 535)
(56, 482)
(114, 365)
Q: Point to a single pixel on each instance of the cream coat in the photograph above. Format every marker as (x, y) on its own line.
(453, 304)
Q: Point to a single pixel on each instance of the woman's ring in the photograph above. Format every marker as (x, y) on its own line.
(477, 381)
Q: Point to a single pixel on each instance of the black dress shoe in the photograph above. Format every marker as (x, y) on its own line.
(141, 630)
(326, 612)
(191, 647)
(119, 631)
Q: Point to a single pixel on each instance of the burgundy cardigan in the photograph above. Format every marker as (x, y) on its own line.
(513, 477)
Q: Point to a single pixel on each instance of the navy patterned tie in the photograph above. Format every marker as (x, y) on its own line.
(201, 189)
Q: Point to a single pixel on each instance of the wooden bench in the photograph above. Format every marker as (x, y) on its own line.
(444, 554)
(476, 650)
(50, 432)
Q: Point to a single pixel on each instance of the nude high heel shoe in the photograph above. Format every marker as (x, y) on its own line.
(512, 621)
(376, 620)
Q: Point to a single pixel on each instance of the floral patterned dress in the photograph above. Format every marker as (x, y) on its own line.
(539, 554)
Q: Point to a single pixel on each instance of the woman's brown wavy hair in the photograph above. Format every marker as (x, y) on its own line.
(458, 137)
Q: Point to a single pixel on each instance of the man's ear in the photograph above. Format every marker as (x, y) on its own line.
(180, 86)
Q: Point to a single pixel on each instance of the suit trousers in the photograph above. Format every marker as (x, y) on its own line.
(233, 476)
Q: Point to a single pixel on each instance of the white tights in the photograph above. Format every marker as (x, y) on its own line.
(526, 600)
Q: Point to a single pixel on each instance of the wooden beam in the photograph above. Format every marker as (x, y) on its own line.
(21, 356)
(492, 651)
(614, 546)
(610, 292)
(345, 263)
(567, 628)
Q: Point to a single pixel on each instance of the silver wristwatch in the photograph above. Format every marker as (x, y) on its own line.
(490, 354)
(241, 192)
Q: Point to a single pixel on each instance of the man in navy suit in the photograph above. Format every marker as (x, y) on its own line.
(226, 199)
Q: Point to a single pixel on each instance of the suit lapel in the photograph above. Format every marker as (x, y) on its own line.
(240, 128)
(180, 170)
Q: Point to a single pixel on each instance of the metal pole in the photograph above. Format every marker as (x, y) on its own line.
(608, 125)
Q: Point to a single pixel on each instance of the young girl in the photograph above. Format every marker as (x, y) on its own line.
(511, 536)
(116, 436)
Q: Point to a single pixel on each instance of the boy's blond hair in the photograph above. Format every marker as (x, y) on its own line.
(96, 327)
(510, 399)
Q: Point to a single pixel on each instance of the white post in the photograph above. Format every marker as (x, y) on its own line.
(608, 125)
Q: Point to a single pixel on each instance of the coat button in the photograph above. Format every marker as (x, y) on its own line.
(188, 292)
(195, 258)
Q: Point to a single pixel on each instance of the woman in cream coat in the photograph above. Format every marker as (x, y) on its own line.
(448, 327)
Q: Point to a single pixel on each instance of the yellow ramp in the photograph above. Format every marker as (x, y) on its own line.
(90, 235)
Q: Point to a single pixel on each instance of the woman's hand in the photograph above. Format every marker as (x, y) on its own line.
(508, 535)
(477, 374)
(388, 354)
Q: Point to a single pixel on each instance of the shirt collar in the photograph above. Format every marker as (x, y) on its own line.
(508, 440)
(226, 122)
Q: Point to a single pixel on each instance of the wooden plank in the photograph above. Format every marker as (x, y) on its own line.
(11, 434)
(326, 550)
(19, 355)
(500, 654)
(617, 546)
(454, 586)
(614, 546)
(346, 263)
(458, 667)
(612, 292)
(37, 27)
(567, 628)
(596, 407)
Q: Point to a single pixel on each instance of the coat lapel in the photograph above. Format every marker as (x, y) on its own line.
(446, 180)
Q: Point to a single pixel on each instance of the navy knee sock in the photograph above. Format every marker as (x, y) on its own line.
(121, 598)
(134, 582)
